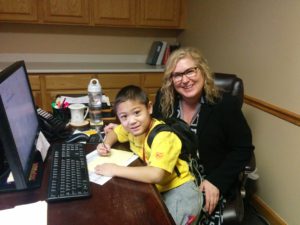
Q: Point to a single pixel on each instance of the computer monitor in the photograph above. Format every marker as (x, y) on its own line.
(3, 161)
(19, 125)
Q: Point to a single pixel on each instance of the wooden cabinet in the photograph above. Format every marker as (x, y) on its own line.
(46, 87)
(139, 13)
(151, 83)
(112, 83)
(64, 84)
(114, 12)
(19, 10)
(35, 84)
(66, 11)
(111, 13)
(160, 13)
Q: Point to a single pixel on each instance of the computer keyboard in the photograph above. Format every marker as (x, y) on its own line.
(69, 177)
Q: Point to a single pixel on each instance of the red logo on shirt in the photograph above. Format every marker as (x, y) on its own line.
(159, 155)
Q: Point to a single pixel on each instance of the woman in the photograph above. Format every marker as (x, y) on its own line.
(225, 142)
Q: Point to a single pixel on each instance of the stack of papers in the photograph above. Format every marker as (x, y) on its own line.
(29, 214)
(119, 157)
(81, 99)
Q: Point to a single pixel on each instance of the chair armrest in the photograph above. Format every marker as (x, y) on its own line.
(249, 168)
(233, 212)
(234, 208)
(251, 165)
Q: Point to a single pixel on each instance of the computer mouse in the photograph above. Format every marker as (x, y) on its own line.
(78, 137)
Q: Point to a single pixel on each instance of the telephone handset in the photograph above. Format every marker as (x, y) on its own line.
(52, 127)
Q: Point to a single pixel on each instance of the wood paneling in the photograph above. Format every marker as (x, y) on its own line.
(67, 81)
(19, 10)
(161, 13)
(118, 80)
(274, 110)
(114, 12)
(152, 80)
(266, 211)
(35, 82)
(66, 11)
(46, 87)
(110, 13)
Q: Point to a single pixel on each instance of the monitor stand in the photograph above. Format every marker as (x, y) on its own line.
(35, 177)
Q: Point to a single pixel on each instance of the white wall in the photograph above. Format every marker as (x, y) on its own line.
(259, 41)
(55, 39)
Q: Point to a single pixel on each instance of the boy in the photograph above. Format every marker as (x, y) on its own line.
(180, 193)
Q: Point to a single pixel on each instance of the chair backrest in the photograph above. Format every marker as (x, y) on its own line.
(233, 212)
(230, 83)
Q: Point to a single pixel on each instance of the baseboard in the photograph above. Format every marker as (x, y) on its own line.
(266, 211)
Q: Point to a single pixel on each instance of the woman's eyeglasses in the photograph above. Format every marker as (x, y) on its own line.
(189, 73)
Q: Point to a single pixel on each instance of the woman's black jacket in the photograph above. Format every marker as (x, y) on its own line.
(224, 139)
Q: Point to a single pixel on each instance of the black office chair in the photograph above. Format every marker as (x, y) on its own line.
(233, 212)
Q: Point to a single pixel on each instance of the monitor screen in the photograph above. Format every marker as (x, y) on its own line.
(18, 118)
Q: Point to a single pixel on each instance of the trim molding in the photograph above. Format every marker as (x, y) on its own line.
(266, 211)
(274, 110)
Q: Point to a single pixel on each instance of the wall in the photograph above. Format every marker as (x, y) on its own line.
(259, 41)
(27, 38)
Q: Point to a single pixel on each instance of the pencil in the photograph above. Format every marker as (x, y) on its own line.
(101, 138)
(62, 104)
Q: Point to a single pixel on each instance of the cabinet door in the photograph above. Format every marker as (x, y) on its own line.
(66, 11)
(151, 83)
(160, 13)
(64, 84)
(34, 81)
(112, 83)
(114, 12)
(68, 81)
(18, 10)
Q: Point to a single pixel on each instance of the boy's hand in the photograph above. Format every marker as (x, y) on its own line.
(106, 169)
(103, 149)
(109, 127)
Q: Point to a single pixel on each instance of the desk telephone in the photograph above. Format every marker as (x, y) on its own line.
(52, 127)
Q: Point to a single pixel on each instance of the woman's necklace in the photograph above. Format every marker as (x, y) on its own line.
(187, 113)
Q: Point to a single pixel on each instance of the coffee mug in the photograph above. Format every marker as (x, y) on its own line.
(77, 113)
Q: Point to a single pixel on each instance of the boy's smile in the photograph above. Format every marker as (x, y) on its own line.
(134, 116)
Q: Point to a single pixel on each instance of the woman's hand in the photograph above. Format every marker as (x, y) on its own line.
(212, 195)
(103, 149)
(106, 169)
(109, 127)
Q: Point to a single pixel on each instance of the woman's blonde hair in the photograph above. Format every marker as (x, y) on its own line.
(168, 90)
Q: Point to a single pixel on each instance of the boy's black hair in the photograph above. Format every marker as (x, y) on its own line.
(131, 92)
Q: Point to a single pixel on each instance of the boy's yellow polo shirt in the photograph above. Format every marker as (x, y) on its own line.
(164, 153)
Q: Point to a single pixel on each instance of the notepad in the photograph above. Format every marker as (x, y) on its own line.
(119, 157)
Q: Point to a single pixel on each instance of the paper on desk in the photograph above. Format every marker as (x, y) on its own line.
(42, 145)
(29, 214)
(71, 100)
(83, 99)
(119, 157)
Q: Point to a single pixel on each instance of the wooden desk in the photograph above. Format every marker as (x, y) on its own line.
(118, 202)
